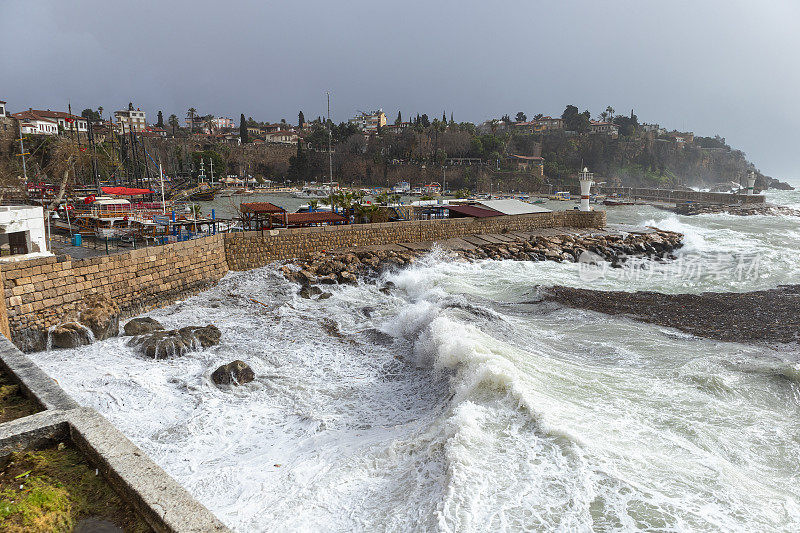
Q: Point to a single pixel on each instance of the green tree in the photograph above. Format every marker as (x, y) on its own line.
(300, 119)
(192, 112)
(90, 114)
(576, 121)
(521, 117)
(173, 121)
(243, 130)
(298, 164)
(160, 121)
(399, 119)
(424, 121)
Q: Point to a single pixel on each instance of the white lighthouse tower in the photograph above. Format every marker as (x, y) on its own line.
(751, 183)
(586, 179)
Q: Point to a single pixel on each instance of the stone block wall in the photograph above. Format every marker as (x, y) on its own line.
(253, 249)
(667, 195)
(40, 293)
(45, 292)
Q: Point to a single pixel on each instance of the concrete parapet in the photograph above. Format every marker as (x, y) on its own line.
(157, 498)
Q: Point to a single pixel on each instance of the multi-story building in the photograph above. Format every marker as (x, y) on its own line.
(130, 120)
(369, 122)
(221, 123)
(2, 109)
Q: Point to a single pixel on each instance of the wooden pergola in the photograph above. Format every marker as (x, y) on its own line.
(260, 215)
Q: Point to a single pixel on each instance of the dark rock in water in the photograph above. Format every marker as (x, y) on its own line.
(174, 343)
(378, 337)
(71, 335)
(205, 335)
(142, 326)
(101, 315)
(234, 373)
(308, 291)
(324, 296)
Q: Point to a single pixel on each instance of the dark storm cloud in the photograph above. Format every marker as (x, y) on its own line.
(727, 67)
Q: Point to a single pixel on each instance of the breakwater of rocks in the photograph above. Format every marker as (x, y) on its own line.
(741, 210)
(348, 266)
(767, 315)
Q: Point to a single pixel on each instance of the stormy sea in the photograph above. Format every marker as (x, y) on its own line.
(459, 401)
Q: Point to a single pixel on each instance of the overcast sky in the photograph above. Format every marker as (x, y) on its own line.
(728, 67)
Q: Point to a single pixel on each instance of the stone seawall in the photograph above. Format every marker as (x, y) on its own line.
(41, 292)
(45, 292)
(253, 249)
(670, 196)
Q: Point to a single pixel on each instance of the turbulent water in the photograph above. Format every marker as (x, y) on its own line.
(458, 403)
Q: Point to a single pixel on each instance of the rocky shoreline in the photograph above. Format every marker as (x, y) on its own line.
(348, 266)
(740, 210)
(767, 315)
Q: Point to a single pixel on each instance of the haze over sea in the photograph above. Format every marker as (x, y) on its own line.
(458, 403)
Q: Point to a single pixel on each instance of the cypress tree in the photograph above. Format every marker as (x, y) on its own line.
(160, 122)
(399, 119)
(243, 130)
(444, 118)
(301, 119)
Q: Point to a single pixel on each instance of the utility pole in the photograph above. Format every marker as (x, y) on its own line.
(22, 153)
(330, 154)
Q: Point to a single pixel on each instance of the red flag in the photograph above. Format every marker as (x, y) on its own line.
(69, 207)
(89, 199)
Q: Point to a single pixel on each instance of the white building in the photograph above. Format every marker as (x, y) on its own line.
(64, 121)
(22, 233)
(2, 109)
(282, 137)
(130, 120)
(35, 126)
(605, 128)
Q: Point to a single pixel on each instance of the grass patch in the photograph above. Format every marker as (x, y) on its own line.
(51, 490)
(12, 403)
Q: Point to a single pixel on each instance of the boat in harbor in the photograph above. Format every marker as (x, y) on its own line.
(317, 192)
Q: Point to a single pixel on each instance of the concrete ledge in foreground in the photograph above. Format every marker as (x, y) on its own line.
(164, 504)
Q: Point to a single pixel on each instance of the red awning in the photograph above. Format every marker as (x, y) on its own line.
(125, 191)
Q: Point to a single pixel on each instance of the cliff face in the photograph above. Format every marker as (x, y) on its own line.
(647, 161)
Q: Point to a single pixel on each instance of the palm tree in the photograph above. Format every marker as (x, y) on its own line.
(312, 205)
(173, 121)
(366, 212)
(100, 110)
(190, 114)
(610, 111)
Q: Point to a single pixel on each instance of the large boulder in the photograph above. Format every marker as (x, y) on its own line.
(236, 373)
(141, 326)
(174, 343)
(70, 335)
(101, 315)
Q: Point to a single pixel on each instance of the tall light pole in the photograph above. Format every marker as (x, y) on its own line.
(330, 154)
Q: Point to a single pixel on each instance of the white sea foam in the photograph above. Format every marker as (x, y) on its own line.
(472, 413)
